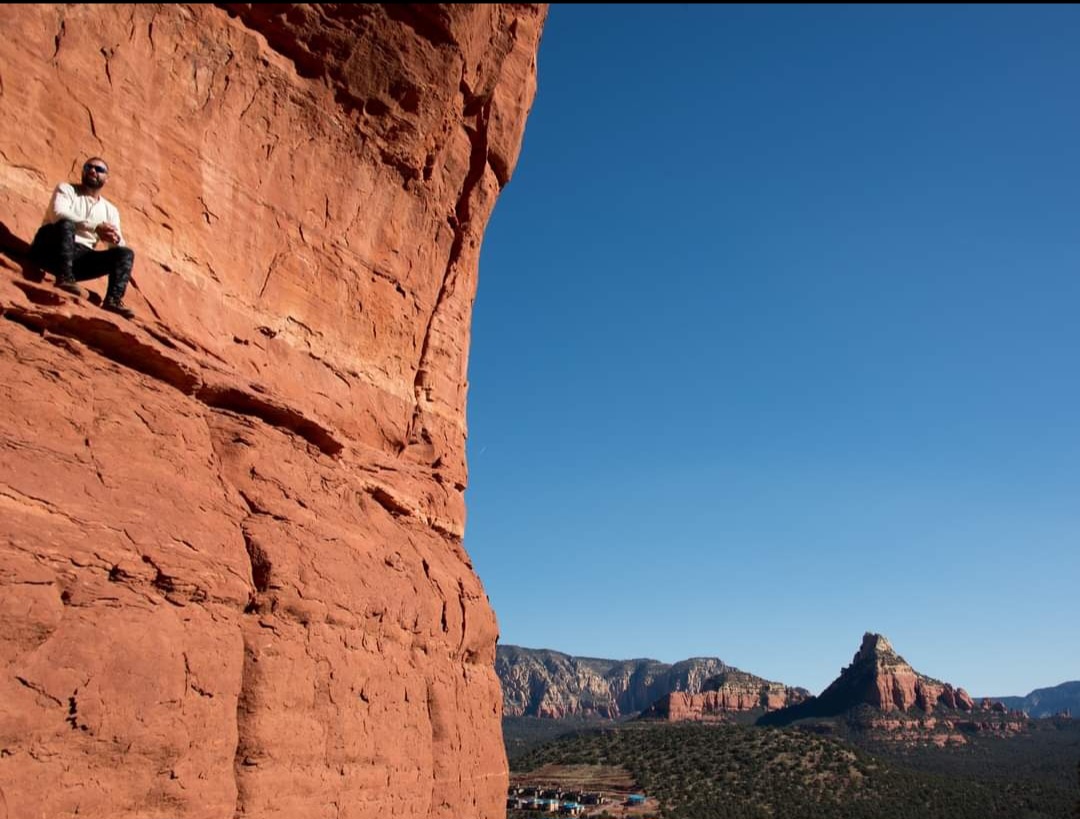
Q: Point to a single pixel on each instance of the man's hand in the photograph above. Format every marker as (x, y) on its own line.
(108, 233)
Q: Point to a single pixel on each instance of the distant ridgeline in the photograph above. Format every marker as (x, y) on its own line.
(879, 693)
(881, 742)
(544, 683)
(1048, 702)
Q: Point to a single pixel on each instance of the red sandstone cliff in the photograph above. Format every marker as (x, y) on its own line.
(724, 695)
(546, 683)
(550, 684)
(232, 582)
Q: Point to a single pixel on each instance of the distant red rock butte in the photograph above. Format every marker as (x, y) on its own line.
(912, 706)
(727, 694)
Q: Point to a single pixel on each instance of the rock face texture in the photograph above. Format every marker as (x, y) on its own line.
(729, 693)
(544, 683)
(232, 579)
(882, 692)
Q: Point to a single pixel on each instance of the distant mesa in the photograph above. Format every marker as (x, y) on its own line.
(550, 684)
(724, 695)
(553, 685)
(881, 692)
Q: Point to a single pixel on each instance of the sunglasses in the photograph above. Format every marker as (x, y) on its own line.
(98, 168)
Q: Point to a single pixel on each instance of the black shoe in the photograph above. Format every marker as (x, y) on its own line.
(69, 285)
(115, 305)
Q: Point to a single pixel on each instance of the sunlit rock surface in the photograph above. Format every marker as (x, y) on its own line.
(232, 582)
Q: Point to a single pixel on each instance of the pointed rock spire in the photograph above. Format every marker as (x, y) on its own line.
(882, 679)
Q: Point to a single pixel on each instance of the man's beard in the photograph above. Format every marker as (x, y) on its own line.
(93, 183)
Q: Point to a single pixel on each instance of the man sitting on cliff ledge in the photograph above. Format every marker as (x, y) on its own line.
(78, 217)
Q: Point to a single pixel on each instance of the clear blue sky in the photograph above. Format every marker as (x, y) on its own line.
(777, 341)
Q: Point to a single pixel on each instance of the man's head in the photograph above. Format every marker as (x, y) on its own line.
(94, 172)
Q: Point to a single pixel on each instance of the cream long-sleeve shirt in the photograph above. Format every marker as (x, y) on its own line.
(85, 211)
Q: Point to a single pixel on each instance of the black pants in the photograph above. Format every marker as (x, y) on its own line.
(56, 250)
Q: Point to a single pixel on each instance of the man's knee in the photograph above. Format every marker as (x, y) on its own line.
(119, 256)
(63, 228)
(52, 241)
(54, 232)
(41, 239)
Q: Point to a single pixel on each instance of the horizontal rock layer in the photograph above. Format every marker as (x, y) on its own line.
(944, 730)
(232, 580)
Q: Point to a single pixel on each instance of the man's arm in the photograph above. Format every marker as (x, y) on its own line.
(63, 206)
(114, 220)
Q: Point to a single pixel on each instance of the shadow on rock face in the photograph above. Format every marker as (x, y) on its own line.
(18, 249)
